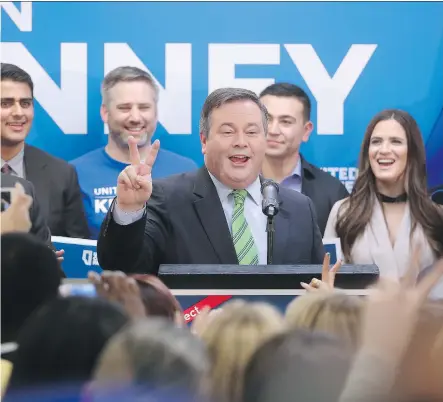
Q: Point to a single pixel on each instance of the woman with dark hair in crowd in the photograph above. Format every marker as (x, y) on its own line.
(157, 298)
(389, 212)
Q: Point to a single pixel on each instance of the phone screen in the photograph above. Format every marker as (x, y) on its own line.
(6, 198)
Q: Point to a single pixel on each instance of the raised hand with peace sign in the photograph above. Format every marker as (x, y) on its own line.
(134, 183)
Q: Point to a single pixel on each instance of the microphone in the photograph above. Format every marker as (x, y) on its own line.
(270, 204)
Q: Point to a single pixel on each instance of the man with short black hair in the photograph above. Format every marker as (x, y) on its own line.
(54, 180)
(289, 109)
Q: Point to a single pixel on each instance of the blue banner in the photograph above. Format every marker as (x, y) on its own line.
(353, 59)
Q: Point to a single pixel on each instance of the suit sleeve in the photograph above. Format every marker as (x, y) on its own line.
(139, 247)
(318, 250)
(74, 217)
(39, 226)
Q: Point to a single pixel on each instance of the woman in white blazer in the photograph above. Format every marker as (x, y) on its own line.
(389, 211)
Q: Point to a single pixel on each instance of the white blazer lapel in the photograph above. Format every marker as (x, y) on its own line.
(377, 239)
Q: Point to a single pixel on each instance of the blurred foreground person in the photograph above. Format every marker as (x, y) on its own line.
(60, 343)
(153, 360)
(297, 366)
(232, 335)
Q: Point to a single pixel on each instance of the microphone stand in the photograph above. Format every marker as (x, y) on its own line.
(270, 230)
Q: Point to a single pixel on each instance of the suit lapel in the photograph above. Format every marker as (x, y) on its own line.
(34, 168)
(308, 187)
(380, 248)
(281, 235)
(210, 212)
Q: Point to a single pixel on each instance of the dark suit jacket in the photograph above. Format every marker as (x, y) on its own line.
(323, 189)
(184, 223)
(39, 226)
(57, 189)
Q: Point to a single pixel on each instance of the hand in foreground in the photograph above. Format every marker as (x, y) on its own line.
(392, 311)
(327, 276)
(16, 218)
(134, 183)
(59, 254)
(119, 288)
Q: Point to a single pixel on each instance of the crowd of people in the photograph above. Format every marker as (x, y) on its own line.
(130, 341)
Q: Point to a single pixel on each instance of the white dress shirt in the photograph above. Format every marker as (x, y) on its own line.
(253, 214)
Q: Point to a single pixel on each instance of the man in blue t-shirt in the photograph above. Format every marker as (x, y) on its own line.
(129, 108)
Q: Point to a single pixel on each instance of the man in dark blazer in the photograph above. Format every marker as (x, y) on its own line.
(289, 109)
(39, 227)
(55, 181)
(212, 215)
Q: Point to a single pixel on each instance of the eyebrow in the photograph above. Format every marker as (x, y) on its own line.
(284, 116)
(12, 99)
(391, 138)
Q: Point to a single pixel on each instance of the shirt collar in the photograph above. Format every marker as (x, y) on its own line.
(224, 191)
(297, 169)
(16, 163)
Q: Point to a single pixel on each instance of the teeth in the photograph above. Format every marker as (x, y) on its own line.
(135, 129)
(385, 161)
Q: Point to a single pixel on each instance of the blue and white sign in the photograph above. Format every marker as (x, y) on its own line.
(354, 59)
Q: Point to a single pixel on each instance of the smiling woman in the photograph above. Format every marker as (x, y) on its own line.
(389, 213)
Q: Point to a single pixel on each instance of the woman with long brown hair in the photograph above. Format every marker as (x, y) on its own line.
(389, 211)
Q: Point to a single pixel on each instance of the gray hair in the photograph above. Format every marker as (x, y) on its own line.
(159, 354)
(222, 96)
(126, 74)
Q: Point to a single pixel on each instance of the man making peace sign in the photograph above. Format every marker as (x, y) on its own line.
(212, 215)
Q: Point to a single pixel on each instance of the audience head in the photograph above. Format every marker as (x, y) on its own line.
(61, 342)
(332, 312)
(392, 162)
(17, 104)
(157, 298)
(297, 365)
(30, 276)
(289, 110)
(129, 106)
(155, 356)
(232, 337)
(233, 127)
(421, 372)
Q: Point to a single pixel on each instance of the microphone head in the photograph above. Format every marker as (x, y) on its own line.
(267, 183)
(270, 203)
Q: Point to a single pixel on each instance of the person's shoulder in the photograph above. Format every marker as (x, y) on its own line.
(52, 161)
(184, 179)
(325, 178)
(88, 157)
(179, 162)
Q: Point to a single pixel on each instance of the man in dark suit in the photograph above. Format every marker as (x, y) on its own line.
(289, 109)
(55, 181)
(39, 227)
(212, 215)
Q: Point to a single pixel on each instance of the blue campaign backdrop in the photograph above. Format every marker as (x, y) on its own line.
(386, 55)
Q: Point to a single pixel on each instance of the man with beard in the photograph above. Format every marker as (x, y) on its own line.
(55, 180)
(129, 108)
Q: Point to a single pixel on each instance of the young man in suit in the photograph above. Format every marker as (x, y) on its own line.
(212, 215)
(129, 107)
(289, 111)
(55, 181)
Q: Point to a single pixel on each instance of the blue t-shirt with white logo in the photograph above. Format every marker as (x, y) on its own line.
(97, 176)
